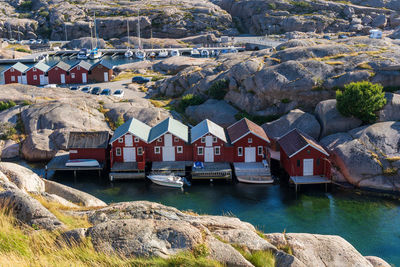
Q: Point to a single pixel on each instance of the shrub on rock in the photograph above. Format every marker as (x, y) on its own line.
(361, 100)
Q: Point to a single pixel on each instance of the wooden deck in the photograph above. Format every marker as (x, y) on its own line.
(213, 170)
(125, 171)
(58, 164)
(253, 172)
(167, 167)
(126, 175)
(124, 167)
(309, 180)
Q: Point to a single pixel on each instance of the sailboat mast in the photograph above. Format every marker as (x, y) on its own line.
(127, 24)
(138, 25)
(91, 35)
(151, 37)
(95, 29)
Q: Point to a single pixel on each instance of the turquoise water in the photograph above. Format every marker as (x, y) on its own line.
(370, 224)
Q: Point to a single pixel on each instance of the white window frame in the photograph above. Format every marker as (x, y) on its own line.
(214, 139)
(176, 139)
(136, 139)
(13, 78)
(200, 148)
(35, 77)
(203, 139)
(34, 69)
(240, 151)
(159, 139)
(217, 150)
(179, 149)
(250, 140)
(140, 151)
(78, 67)
(157, 150)
(260, 150)
(118, 151)
(12, 69)
(120, 140)
(72, 75)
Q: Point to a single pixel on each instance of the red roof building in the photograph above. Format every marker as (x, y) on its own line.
(249, 141)
(79, 72)
(301, 155)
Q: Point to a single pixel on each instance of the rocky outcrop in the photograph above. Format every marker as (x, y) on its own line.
(391, 111)
(9, 150)
(377, 262)
(173, 65)
(295, 119)
(23, 178)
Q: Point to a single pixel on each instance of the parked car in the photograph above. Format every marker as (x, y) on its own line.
(343, 36)
(106, 92)
(86, 89)
(74, 88)
(32, 41)
(140, 79)
(12, 41)
(96, 91)
(119, 93)
(45, 41)
(327, 37)
(39, 41)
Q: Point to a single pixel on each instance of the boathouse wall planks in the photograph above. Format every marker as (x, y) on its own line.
(15, 74)
(37, 74)
(89, 145)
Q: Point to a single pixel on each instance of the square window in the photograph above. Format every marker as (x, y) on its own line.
(250, 140)
(176, 139)
(13, 78)
(203, 139)
(240, 151)
(136, 140)
(179, 149)
(35, 77)
(120, 140)
(200, 150)
(217, 150)
(214, 139)
(34, 69)
(318, 162)
(78, 68)
(159, 139)
(73, 75)
(298, 163)
(260, 151)
(118, 151)
(12, 70)
(157, 150)
(140, 151)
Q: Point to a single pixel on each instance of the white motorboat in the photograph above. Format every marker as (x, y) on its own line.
(152, 55)
(205, 53)
(163, 53)
(169, 180)
(195, 53)
(83, 54)
(175, 53)
(95, 54)
(140, 54)
(82, 163)
(128, 53)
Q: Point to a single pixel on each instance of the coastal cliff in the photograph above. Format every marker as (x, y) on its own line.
(62, 222)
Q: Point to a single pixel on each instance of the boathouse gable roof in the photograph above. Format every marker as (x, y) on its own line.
(133, 126)
(104, 63)
(296, 141)
(241, 128)
(19, 67)
(62, 65)
(88, 140)
(172, 126)
(83, 64)
(205, 127)
(41, 66)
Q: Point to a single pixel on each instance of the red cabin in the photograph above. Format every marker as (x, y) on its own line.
(79, 72)
(209, 143)
(36, 75)
(301, 155)
(249, 141)
(15, 74)
(89, 145)
(129, 142)
(168, 141)
(58, 74)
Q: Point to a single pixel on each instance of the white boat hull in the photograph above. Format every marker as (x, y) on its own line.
(247, 180)
(128, 54)
(164, 180)
(82, 56)
(163, 54)
(82, 163)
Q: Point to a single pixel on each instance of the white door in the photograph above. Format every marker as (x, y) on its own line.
(209, 154)
(168, 153)
(250, 154)
(19, 79)
(84, 78)
(209, 140)
(308, 167)
(46, 78)
(168, 140)
(128, 140)
(62, 77)
(42, 79)
(129, 154)
(106, 76)
(24, 80)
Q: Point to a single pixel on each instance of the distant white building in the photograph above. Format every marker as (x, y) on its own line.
(375, 34)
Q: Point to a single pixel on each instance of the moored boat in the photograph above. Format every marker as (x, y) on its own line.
(83, 54)
(128, 53)
(205, 53)
(163, 53)
(140, 54)
(82, 163)
(175, 53)
(169, 180)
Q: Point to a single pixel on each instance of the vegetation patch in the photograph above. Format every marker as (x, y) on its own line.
(7, 131)
(365, 66)
(334, 62)
(219, 89)
(257, 119)
(190, 100)
(7, 105)
(259, 258)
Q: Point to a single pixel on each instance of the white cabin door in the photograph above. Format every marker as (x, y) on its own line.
(19, 79)
(62, 78)
(209, 140)
(84, 78)
(308, 167)
(128, 140)
(168, 140)
(106, 76)
(168, 153)
(129, 154)
(42, 79)
(209, 154)
(250, 154)
(24, 79)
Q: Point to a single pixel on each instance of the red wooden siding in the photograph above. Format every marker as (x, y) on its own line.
(75, 74)
(33, 73)
(99, 154)
(225, 152)
(186, 154)
(117, 144)
(8, 74)
(54, 75)
(243, 142)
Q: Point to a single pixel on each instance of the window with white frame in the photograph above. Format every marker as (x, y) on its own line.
(157, 150)
(200, 150)
(140, 151)
(120, 140)
(203, 139)
(260, 150)
(78, 68)
(35, 77)
(118, 151)
(217, 150)
(179, 149)
(136, 140)
(250, 140)
(159, 139)
(176, 139)
(13, 78)
(12, 69)
(73, 75)
(34, 69)
(214, 139)
(240, 151)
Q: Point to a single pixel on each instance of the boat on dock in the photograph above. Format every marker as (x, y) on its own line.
(205, 53)
(175, 53)
(253, 172)
(169, 180)
(82, 163)
(140, 54)
(163, 53)
(83, 54)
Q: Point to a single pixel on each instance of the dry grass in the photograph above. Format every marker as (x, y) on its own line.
(390, 171)
(334, 62)
(393, 159)
(259, 258)
(125, 75)
(365, 66)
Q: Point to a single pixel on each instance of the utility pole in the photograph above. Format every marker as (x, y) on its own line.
(65, 30)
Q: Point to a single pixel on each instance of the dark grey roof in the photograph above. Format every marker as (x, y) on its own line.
(83, 64)
(62, 65)
(88, 140)
(105, 63)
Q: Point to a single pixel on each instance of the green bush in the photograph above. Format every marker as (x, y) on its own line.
(218, 89)
(26, 5)
(6, 105)
(361, 100)
(23, 50)
(119, 121)
(190, 100)
(7, 131)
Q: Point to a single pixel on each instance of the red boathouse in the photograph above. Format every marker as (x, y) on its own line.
(249, 141)
(15, 74)
(58, 74)
(36, 75)
(89, 145)
(79, 72)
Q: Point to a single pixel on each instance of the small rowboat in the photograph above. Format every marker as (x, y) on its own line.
(82, 163)
(169, 180)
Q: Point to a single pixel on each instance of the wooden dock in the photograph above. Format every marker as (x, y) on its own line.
(168, 167)
(58, 164)
(212, 170)
(126, 170)
(310, 180)
(253, 172)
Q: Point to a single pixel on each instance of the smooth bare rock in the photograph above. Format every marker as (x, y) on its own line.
(173, 65)
(377, 262)
(10, 150)
(11, 115)
(29, 210)
(73, 195)
(38, 145)
(5, 183)
(320, 250)
(295, 119)
(284, 259)
(218, 111)
(331, 120)
(391, 111)
(22, 177)
(246, 238)
(59, 200)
